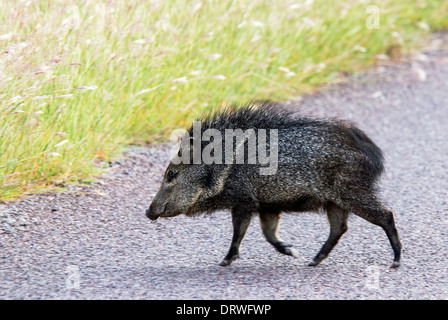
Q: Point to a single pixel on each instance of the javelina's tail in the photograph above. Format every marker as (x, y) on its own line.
(369, 148)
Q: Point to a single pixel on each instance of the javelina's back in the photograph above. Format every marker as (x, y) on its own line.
(316, 137)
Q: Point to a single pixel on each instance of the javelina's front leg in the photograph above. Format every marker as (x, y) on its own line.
(241, 220)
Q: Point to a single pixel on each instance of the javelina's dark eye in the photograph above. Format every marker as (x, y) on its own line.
(170, 176)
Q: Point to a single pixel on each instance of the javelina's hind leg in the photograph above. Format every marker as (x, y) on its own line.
(377, 214)
(338, 226)
(241, 221)
(269, 224)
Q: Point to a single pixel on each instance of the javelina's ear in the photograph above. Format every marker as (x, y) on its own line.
(181, 153)
(188, 151)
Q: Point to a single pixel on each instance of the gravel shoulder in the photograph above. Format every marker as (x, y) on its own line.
(95, 242)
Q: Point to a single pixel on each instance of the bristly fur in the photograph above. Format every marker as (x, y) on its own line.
(325, 164)
(267, 115)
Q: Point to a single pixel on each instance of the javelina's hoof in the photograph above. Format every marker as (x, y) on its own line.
(291, 252)
(313, 263)
(226, 262)
(287, 249)
(396, 264)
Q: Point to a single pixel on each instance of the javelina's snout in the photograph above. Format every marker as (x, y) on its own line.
(150, 214)
(155, 211)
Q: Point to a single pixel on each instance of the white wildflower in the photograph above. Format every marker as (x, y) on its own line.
(181, 80)
(311, 39)
(60, 143)
(163, 24)
(15, 99)
(288, 73)
(359, 48)
(397, 36)
(54, 154)
(41, 69)
(214, 56)
(257, 24)
(6, 36)
(308, 22)
(242, 24)
(21, 45)
(319, 67)
(148, 90)
(36, 98)
(423, 25)
(64, 96)
(197, 7)
(139, 41)
(143, 91)
(86, 88)
(255, 38)
(219, 77)
(307, 3)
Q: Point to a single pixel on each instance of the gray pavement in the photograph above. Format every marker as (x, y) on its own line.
(94, 242)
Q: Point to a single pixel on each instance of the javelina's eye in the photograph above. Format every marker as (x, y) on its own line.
(170, 176)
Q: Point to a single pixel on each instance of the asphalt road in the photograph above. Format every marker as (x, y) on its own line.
(94, 242)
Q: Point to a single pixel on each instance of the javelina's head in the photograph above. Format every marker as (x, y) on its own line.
(186, 186)
(183, 186)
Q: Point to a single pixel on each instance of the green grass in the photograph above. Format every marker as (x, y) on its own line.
(81, 79)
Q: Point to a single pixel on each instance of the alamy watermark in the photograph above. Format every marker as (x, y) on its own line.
(73, 278)
(373, 278)
(373, 20)
(233, 146)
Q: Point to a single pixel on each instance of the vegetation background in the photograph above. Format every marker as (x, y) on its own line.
(81, 80)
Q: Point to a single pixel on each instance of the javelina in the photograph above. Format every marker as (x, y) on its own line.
(319, 164)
